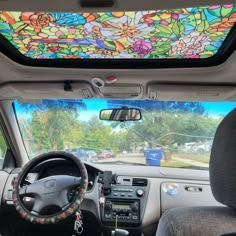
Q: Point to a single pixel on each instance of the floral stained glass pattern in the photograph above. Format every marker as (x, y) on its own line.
(176, 34)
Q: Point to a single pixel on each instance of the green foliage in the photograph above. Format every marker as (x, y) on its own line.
(96, 135)
(50, 128)
(4, 26)
(215, 12)
(225, 12)
(176, 164)
(104, 18)
(203, 26)
(163, 31)
(110, 43)
(178, 28)
(160, 48)
(158, 129)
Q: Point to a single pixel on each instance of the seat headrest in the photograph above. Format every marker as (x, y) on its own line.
(223, 162)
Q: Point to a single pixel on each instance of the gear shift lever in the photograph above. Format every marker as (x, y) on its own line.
(119, 232)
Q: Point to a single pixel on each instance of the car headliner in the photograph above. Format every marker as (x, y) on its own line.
(223, 74)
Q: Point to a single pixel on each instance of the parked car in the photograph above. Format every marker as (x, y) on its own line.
(126, 151)
(93, 156)
(80, 153)
(109, 150)
(187, 147)
(202, 147)
(196, 147)
(104, 154)
(91, 153)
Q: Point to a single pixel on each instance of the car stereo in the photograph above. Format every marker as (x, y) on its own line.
(122, 210)
(122, 199)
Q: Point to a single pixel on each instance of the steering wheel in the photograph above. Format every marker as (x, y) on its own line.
(50, 191)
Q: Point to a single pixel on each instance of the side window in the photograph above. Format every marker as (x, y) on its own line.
(3, 149)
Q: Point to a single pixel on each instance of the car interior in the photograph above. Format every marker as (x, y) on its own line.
(117, 118)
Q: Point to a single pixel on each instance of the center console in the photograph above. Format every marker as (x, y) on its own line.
(123, 202)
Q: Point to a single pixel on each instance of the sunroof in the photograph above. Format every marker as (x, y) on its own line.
(166, 34)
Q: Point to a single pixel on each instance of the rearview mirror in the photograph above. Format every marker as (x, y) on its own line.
(122, 114)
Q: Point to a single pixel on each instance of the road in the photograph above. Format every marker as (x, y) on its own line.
(139, 158)
(129, 157)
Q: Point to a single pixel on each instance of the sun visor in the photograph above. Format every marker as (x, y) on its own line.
(24, 91)
(191, 93)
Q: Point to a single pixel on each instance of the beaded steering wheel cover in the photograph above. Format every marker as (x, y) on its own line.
(70, 209)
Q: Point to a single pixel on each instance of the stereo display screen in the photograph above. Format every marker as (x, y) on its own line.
(120, 206)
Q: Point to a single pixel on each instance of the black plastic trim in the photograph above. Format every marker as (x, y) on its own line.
(227, 48)
(9, 161)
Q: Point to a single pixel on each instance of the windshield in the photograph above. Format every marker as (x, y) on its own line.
(170, 134)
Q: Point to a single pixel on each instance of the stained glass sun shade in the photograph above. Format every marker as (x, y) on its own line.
(165, 34)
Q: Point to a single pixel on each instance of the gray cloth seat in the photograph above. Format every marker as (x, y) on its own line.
(197, 221)
(211, 221)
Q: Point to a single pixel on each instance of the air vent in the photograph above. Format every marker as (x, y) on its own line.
(139, 182)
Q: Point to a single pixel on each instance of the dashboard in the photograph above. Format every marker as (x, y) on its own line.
(137, 197)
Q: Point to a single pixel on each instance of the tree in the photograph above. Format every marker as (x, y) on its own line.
(50, 128)
(97, 135)
(121, 140)
(50, 122)
(165, 128)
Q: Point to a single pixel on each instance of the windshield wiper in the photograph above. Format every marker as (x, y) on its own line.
(120, 163)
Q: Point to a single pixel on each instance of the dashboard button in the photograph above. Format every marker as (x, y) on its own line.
(140, 192)
(107, 207)
(134, 207)
(9, 194)
(108, 216)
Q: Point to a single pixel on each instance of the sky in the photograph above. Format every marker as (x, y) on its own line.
(219, 108)
(95, 105)
(212, 108)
